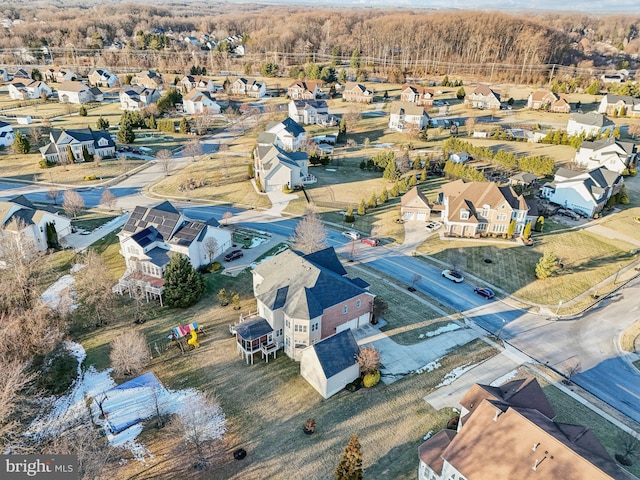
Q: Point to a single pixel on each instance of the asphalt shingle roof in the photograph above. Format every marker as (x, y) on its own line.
(337, 352)
(253, 329)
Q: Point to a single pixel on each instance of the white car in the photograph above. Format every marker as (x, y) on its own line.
(351, 234)
(433, 226)
(453, 275)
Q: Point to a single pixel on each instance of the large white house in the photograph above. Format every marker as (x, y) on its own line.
(309, 112)
(6, 134)
(407, 116)
(619, 105)
(27, 89)
(93, 142)
(610, 153)
(249, 87)
(483, 98)
(276, 169)
(152, 234)
(78, 92)
(136, 98)
(286, 134)
(583, 192)
(101, 77)
(191, 82)
(592, 124)
(200, 102)
(20, 217)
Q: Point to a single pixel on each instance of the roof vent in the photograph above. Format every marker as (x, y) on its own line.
(537, 463)
(498, 413)
(535, 446)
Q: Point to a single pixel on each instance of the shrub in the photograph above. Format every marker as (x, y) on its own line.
(371, 379)
(88, 178)
(59, 372)
(215, 266)
(43, 163)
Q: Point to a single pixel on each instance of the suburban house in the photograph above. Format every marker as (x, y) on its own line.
(459, 157)
(20, 217)
(102, 78)
(303, 90)
(5, 76)
(136, 98)
(197, 101)
(78, 92)
(508, 432)
(592, 124)
(249, 87)
(417, 94)
(407, 116)
(331, 364)
(619, 105)
(356, 92)
(21, 73)
(414, 205)
(6, 134)
(58, 75)
(148, 79)
(483, 98)
(547, 100)
(26, 89)
(302, 299)
(609, 152)
(620, 76)
(583, 192)
(152, 234)
(190, 82)
(77, 142)
(286, 134)
(309, 112)
(483, 208)
(524, 179)
(276, 169)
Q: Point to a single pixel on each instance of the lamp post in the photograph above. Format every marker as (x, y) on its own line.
(615, 280)
(559, 305)
(504, 322)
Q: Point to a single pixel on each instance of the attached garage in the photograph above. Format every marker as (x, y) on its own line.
(415, 206)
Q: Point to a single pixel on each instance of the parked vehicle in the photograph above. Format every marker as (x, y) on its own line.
(453, 275)
(568, 213)
(371, 241)
(433, 226)
(484, 292)
(351, 234)
(233, 255)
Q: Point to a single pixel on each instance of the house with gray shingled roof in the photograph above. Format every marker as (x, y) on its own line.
(96, 142)
(305, 299)
(331, 364)
(591, 124)
(611, 153)
(152, 234)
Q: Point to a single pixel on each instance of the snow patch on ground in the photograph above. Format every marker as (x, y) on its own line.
(450, 327)
(454, 374)
(505, 378)
(256, 241)
(60, 294)
(430, 367)
(91, 385)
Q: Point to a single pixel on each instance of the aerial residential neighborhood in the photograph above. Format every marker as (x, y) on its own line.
(278, 241)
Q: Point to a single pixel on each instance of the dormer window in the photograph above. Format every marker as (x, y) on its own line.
(464, 214)
(485, 210)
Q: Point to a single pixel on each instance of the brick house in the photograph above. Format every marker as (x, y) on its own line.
(508, 432)
(547, 100)
(483, 208)
(415, 206)
(303, 299)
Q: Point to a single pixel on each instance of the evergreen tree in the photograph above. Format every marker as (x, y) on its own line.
(52, 236)
(350, 466)
(355, 59)
(594, 88)
(546, 265)
(384, 195)
(391, 170)
(21, 143)
(184, 125)
(70, 157)
(460, 94)
(126, 134)
(348, 216)
(251, 170)
(413, 181)
(183, 286)
(526, 233)
(373, 201)
(83, 111)
(342, 76)
(151, 123)
(512, 228)
(361, 207)
(85, 154)
(102, 123)
(395, 190)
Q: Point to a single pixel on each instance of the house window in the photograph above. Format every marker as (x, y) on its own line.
(485, 211)
(279, 333)
(358, 303)
(300, 328)
(345, 309)
(287, 341)
(498, 228)
(502, 216)
(464, 214)
(286, 322)
(482, 227)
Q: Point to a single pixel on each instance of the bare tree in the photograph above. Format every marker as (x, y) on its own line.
(210, 246)
(352, 117)
(470, 123)
(93, 286)
(53, 194)
(368, 360)
(310, 234)
(165, 159)
(193, 149)
(96, 160)
(122, 163)
(203, 422)
(226, 216)
(14, 379)
(628, 447)
(201, 123)
(108, 199)
(129, 353)
(572, 369)
(73, 203)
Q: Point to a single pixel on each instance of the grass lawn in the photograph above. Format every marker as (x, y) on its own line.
(91, 219)
(407, 317)
(587, 258)
(225, 181)
(109, 247)
(624, 222)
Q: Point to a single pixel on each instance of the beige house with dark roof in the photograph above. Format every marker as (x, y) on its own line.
(483, 98)
(303, 90)
(407, 116)
(547, 100)
(148, 79)
(417, 94)
(415, 206)
(507, 433)
(483, 208)
(356, 92)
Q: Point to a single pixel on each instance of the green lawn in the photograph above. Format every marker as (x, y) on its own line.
(109, 247)
(90, 219)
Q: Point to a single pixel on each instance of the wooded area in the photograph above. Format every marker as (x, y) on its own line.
(404, 42)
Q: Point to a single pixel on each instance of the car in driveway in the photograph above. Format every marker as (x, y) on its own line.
(484, 292)
(453, 275)
(233, 255)
(351, 234)
(433, 226)
(374, 242)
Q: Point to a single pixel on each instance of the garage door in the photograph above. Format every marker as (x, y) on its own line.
(408, 216)
(422, 217)
(345, 326)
